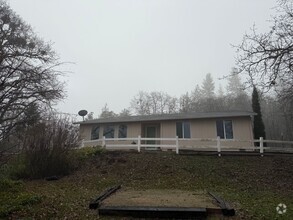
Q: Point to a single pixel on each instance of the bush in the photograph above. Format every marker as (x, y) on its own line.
(47, 147)
(84, 153)
(50, 148)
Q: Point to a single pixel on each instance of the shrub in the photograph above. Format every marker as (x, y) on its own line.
(47, 147)
(84, 153)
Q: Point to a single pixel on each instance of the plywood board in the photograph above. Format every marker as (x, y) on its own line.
(160, 198)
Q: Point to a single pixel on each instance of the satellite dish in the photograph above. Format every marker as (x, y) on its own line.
(82, 113)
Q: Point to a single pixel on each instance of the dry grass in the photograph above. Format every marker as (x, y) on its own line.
(253, 185)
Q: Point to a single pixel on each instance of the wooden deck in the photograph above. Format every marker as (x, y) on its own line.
(153, 203)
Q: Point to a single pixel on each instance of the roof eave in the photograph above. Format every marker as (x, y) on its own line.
(179, 117)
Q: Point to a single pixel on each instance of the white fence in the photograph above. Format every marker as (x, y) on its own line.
(137, 143)
(175, 144)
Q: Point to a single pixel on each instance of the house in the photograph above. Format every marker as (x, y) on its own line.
(191, 128)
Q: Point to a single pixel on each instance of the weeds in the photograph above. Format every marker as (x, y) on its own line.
(13, 198)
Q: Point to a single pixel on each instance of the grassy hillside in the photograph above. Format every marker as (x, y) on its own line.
(252, 184)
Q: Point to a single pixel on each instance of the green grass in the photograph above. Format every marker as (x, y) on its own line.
(252, 184)
(13, 198)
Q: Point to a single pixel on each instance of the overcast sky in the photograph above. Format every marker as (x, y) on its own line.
(121, 47)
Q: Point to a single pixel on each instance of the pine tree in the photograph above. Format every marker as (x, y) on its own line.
(220, 93)
(106, 113)
(258, 128)
(235, 87)
(208, 87)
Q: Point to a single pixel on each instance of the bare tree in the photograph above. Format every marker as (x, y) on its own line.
(172, 105)
(154, 103)
(185, 103)
(28, 71)
(153, 100)
(160, 102)
(267, 58)
(140, 104)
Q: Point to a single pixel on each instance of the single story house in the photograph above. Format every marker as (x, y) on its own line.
(189, 127)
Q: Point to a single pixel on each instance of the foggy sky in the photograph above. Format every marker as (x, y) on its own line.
(121, 47)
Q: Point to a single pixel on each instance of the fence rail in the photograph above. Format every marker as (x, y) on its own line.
(218, 144)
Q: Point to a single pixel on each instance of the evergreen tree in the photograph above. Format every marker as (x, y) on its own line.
(220, 93)
(236, 95)
(235, 87)
(208, 87)
(258, 128)
(90, 116)
(125, 112)
(208, 94)
(106, 113)
(196, 94)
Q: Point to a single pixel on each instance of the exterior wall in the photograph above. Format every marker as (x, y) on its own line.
(168, 129)
(206, 128)
(199, 128)
(133, 130)
(243, 129)
(203, 128)
(85, 131)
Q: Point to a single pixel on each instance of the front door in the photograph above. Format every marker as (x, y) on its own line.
(151, 133)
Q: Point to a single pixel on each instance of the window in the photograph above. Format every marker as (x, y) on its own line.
(225, 129)
(109, 131)
(183, 129)
(95, 132)
(122, 131)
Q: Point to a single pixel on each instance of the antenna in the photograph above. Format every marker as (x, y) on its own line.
(82, 113)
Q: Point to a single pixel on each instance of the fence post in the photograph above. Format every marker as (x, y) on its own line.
(82, 143)
(261, 146)
(138, 143)
(219, 145)
(177, 145)
(104, 141)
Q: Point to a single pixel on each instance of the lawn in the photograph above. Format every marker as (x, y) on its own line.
(253, 185)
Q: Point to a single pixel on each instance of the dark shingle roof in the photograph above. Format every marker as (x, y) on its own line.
(166, 117)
